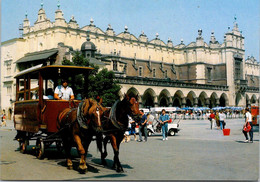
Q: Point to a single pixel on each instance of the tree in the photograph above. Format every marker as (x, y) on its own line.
(100, 83)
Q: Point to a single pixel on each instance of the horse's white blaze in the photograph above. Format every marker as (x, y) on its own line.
(99, 123)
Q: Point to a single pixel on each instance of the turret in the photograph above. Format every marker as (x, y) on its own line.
(199, 39)
(73, 23)
(88, 48)
(59, 19)
(234, 38)
(143, 37)
(110, 30)
(169, 42)
(26, 24)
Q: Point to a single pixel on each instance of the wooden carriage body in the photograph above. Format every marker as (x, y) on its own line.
(32, 111)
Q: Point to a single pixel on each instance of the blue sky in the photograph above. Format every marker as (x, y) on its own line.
(177, 19)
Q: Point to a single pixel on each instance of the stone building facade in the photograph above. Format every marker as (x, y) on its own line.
(163, 74)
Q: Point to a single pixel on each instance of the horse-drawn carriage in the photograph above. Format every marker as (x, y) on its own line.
(68, 123)
(35, 116)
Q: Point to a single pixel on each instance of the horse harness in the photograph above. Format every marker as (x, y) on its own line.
(112, 117)
(82, 120)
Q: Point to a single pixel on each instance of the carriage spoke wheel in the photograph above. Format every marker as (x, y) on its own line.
(39, 149)
(23, 146)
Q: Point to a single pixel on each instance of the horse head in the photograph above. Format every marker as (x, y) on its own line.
(133, 107)
(93, 111)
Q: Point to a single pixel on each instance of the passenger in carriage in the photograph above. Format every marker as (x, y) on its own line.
(49, 93)
(63, 92)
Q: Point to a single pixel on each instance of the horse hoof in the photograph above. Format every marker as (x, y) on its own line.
(83, 168)
(104, 163)
(119, 170)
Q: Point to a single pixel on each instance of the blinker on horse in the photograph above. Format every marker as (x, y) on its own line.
(77, 126)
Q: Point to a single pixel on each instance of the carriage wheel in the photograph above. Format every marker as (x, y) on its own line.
(23, 146)
(39, 149)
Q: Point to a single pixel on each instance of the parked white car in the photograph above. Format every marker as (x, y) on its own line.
(154, 126)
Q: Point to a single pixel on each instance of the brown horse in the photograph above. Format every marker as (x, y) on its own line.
(78, 125)
(115, 124)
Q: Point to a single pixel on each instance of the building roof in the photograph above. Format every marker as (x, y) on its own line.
(40, 55)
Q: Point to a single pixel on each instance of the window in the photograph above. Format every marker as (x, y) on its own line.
(140, 71)
(8, 68)
(154, 73)
(238, 69)
(115, 65)
(9, 90)
(209, 75)
(165, 74)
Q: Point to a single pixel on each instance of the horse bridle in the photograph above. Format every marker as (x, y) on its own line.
(83, 122)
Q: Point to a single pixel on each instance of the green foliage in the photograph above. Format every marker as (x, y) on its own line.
(100, 83)
(103, 85)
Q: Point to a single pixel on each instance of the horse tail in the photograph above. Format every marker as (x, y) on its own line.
(99, 140)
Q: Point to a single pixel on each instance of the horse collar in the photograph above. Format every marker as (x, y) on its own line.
(80, 118)
(112, 116)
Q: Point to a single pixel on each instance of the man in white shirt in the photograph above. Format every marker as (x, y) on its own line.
(63, 92)
(248, 121)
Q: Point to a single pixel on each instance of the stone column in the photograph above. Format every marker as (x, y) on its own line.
(207, 102)
(170, 101)
(140, 100)
(183, 102)
(196, 101)
(156, 98)
(217, 102)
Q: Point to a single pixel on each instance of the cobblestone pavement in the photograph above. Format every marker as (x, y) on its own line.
(195, 153)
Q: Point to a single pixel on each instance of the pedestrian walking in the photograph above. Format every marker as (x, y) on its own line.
(212, 119)
(222, 120)
(217, 120)
(164, 119)
(248, 120)
(143, 127)
(132, 128)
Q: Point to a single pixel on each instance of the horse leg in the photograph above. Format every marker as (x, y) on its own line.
(82, 162)
(115, 142)
(104, 154)
(67, 148)
(99, 140)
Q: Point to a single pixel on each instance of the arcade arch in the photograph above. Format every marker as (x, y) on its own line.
(238, 101)
(203, 100)
(148, 98)
(132, 92)
(177, 99)
(253, 99)
(223, 100)
(164, 98)
(190, 99)
(213, 101)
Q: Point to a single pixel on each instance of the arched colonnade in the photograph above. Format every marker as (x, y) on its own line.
(150, 97)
